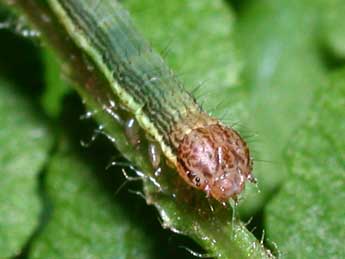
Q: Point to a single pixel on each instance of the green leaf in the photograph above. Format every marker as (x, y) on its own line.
(282, 70)
(25, 141)
(306, 218)
(87, 219)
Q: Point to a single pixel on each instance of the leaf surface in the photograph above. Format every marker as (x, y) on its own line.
(25, 141)
(312, 225)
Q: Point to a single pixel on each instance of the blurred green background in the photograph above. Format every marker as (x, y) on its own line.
(272, 68)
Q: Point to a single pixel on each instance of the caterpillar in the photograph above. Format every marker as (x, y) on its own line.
(208, 155)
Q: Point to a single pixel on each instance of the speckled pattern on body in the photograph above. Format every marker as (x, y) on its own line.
(216, 160)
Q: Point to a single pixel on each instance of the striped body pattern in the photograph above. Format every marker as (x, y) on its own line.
(208, 155)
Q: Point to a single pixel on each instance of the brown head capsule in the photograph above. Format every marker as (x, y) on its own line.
(215, 159)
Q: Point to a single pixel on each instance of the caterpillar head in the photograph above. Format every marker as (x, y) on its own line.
(215, 159)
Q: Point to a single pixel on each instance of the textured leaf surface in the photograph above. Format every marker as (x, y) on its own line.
(87, 220)
(312, 225)
(282, 68)
(25, 141)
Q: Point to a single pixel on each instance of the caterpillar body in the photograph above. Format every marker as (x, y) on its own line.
(207, 154)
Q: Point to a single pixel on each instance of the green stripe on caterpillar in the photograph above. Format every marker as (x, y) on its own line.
(208, 155)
